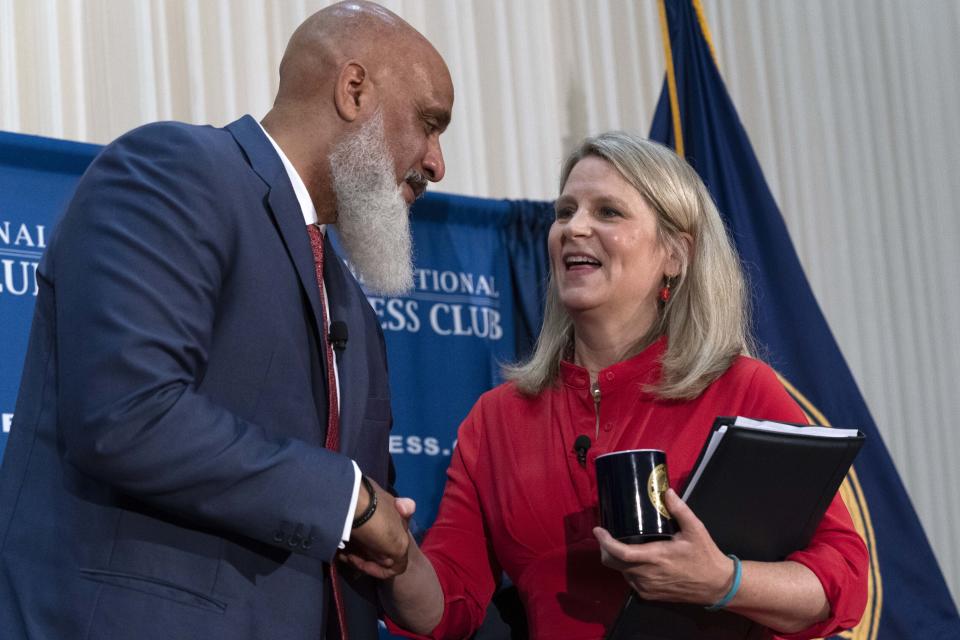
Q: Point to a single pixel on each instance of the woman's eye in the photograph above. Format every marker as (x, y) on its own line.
(564, 213)
(608, 212)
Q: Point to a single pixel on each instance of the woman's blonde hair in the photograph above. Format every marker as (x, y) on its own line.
(705, 318)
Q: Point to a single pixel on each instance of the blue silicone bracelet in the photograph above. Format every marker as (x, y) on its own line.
(737, 575)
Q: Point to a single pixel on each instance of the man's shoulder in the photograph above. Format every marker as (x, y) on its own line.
(165, 129)
(170, 151)
(179, 139)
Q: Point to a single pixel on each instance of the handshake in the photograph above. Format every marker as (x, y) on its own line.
(380, 540)
(381, 546)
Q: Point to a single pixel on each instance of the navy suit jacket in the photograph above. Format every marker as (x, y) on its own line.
(165, 476)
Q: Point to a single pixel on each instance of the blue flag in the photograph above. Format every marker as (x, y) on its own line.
(908, 597)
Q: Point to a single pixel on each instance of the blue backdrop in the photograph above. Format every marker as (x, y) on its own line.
(37, 177)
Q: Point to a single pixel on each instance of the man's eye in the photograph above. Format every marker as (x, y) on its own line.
(564, 213)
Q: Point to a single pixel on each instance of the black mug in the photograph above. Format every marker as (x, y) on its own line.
(631, 486)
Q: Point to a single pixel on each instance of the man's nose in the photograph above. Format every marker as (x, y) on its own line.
(433, 165)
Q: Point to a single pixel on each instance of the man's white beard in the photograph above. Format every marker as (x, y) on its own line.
(372, 217)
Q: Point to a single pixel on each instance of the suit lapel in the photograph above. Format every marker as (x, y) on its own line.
(284, 207)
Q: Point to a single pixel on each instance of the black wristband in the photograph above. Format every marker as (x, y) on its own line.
(371, 506)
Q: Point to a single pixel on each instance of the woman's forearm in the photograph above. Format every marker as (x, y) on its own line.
(785, 596)
(414, 599)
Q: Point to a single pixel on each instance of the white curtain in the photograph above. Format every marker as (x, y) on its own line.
(850, 107)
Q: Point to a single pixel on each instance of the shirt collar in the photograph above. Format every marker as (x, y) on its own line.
(299, 188)
(644, 367)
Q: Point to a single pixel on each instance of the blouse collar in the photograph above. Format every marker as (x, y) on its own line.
(643, 367)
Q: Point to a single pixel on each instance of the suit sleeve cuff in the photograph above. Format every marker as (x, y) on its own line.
(348, 524)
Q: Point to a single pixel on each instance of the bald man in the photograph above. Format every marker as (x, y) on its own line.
(191, 448)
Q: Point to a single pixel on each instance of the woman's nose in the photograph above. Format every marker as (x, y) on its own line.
(578, 225)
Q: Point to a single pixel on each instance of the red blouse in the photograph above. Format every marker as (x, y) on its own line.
(517, 500)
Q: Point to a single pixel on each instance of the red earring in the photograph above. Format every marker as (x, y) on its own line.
(665, 292)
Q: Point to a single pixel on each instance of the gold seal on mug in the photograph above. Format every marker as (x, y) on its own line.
(657, 485)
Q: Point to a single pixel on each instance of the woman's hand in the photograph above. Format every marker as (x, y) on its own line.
(784, 596)
(413, 599)
(688, 568)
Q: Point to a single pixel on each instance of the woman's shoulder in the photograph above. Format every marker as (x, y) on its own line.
(507, 396)
(760, 389)
(506, 406)
(744, 369)
(499, 417)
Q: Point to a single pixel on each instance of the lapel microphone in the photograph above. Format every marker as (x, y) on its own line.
(338, 335)
(581, 445)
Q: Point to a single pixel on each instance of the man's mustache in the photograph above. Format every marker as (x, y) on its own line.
(417, 182)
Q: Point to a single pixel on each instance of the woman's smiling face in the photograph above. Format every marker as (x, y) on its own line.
(605, 254)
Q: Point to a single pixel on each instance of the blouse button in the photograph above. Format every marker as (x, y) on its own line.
(607, 426)
(610, 375)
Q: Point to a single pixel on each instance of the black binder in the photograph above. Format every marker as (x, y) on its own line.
(761, 489)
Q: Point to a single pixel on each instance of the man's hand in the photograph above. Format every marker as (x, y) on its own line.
(688, 568)
(379, 547)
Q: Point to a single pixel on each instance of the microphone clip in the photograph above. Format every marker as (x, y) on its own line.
(337, 336)
(580, 446)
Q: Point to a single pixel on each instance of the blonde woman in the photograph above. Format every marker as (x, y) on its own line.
(644, 343)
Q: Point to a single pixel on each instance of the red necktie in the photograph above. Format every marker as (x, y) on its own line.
(333, 423)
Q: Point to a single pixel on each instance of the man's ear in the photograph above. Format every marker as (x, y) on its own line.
(352, 90)
(680, 252)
